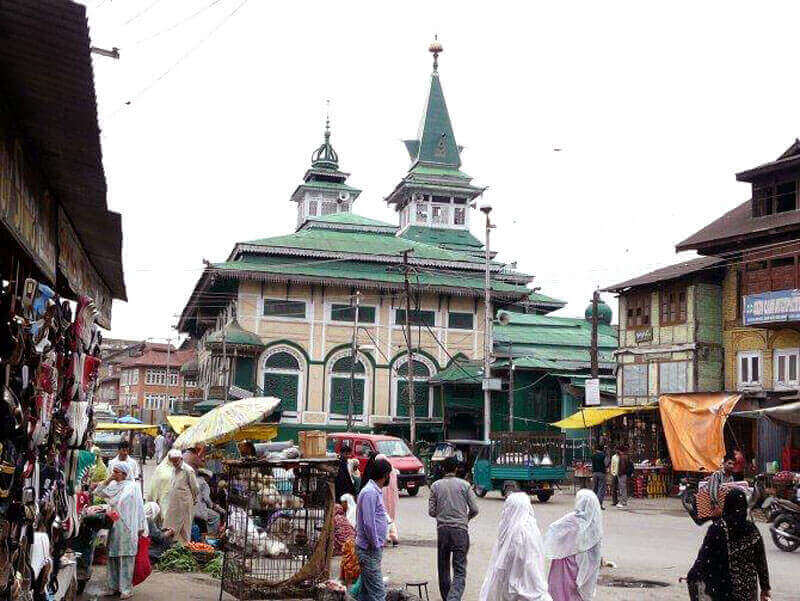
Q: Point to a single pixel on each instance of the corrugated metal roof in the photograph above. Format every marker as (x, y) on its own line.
(668, 273)
(47, 81)
(441, 236)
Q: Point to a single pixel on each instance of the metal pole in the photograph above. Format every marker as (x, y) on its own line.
(409, 362)
(224, 365)
(593, 349)
(354, 351)
(487, 331)
(166, 403)
(511, 368)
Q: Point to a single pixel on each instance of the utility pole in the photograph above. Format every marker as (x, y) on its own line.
(593, 349)
(224, 365)
(354, 358)
(487, 330)
(412, 412)
(511, 368)
(166, 403)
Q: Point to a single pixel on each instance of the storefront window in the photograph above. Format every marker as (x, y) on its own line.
(749, 368)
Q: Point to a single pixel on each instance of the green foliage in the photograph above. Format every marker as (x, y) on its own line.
(178, 558)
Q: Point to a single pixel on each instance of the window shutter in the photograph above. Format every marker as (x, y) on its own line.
(284, 387)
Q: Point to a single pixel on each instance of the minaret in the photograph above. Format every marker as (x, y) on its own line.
(435, 193)
(324, 191)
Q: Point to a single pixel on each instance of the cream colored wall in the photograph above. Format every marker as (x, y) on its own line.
(318, 336)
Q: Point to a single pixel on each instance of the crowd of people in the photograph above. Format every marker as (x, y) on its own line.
(731, 564)
(183, 501)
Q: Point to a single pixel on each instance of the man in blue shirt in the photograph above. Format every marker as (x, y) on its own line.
(372, 524)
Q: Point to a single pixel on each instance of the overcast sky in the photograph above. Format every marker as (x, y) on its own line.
(211, 114)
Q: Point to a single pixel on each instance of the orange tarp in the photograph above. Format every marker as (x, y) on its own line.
(693, 426)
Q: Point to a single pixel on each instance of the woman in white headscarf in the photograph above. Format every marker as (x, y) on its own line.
(516, 570)
(125, 497)
(573, 545)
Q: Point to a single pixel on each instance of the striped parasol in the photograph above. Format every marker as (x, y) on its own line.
(221, 422)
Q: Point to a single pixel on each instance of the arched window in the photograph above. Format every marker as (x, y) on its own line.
(340, 386)
(282, 377)
(421, 371)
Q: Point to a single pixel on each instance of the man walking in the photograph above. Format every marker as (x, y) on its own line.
(624, 471)
(599, 468)
(160, 444)
(372, 525)
(453, 504)
(615, 477)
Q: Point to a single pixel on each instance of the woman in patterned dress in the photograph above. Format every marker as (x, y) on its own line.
(731, 564)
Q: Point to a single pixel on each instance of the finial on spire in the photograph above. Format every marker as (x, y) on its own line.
(327, 119)
(436, 49)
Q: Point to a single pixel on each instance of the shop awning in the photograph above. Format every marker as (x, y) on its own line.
(693, 426)
(788, 414)
(594, 416)
(180, 422)
(149, 429)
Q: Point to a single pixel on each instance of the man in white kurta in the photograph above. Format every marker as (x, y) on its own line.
(183, 493)
(123, 456)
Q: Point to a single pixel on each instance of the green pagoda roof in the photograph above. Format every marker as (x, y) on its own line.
(348, 222)
(363, 244)
(235, 335)
(460, 371)
(354, 273)
(444, 237)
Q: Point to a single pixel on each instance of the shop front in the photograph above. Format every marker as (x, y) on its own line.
(60, 267)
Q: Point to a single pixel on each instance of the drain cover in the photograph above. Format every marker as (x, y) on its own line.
(631, 583)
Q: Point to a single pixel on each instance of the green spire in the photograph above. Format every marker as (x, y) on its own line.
(436, 143)
(325, 156)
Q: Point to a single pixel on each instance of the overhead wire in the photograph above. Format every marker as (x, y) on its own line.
(176, 24)
(141, 12)
(182, 58)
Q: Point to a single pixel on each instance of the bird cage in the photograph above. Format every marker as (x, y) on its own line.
(278, 541)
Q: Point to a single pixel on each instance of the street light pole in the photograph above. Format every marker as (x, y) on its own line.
(487, 330)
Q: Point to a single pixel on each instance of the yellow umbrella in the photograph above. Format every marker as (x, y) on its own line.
(179, 423)
(149, 429)
(222, 422)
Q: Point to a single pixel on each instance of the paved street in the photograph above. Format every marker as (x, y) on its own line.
(654, 540)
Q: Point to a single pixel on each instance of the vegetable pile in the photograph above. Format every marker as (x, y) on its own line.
(200, 547)
(178, 558)
(214, 567)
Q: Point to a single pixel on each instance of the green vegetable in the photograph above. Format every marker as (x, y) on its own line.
(214, 567)
(178, 558)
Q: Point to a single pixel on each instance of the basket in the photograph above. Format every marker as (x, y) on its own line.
(312, 443)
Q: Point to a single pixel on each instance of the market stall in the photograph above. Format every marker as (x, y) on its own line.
(278, 542)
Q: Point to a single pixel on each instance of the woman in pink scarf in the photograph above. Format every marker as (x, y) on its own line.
(391, 496)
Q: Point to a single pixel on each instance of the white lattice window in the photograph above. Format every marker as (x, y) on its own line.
(749, 367)
(440, 214)
(422, 212)
(459, 215)
(785, 367)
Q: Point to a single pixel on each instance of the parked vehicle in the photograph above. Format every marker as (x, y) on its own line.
(688, 493)
(412, 471)
(785, 527)
(465, 452)
(530, 462)
(106, 440)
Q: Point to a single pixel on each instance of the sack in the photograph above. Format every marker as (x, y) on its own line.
(142, 567)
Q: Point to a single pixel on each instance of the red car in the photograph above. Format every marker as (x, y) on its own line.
(412, 472)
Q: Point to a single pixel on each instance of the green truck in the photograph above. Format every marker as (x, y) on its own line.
(529, 462)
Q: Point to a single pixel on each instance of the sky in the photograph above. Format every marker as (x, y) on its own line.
(211, 113)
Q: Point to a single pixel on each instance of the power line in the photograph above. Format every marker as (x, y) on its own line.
(182, 58)
(141, 12)
(176, 24)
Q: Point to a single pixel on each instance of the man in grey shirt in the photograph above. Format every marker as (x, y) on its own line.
(453, 504)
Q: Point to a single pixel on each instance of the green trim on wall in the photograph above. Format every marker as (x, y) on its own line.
(294, 345)
(328, 356)
(417, 350)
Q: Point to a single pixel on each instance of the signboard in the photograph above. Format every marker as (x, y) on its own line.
(26, 207)
(81, 275)
(771, 307)
(492, 384)
(592, 392)
(644, 335)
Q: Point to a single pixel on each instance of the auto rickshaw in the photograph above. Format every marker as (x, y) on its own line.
(465, 452)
